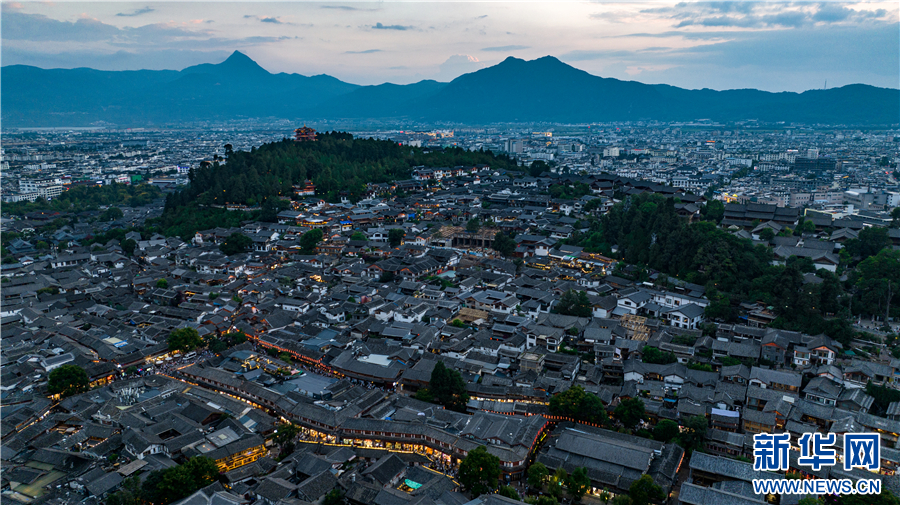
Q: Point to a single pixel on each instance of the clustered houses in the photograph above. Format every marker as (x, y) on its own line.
(341, 339)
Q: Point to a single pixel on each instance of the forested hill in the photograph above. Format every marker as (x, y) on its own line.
(338, 164)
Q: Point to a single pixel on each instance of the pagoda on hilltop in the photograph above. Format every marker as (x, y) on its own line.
(304, 134)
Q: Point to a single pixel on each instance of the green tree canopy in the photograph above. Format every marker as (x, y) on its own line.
(236, 243)
(665, 430)
(537, 474)
(870, 241)
(395, 236)
(630, 411)
(67, 380)
(447, 388)
(644, 491)
(184, 340)
(479, 471)
(128, 246)
(162, 283)
(358, 235)
(574, 303)
(310, 240)
(577, 483)
(580, 405)
(694, 435)
(509, 492)
(504, 244)
(621, 499)
(334, 497)
(878, 279)
(557, 481)
(473, 225)
(111, 214)
(174, 483)
(655, 356)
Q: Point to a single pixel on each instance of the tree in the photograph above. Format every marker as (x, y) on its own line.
(310, 240)
(285, 434)
(358, 235)
(162, 283)
(580, 405)
(577, 483)
(129, 492)
(504, 244)
(665, 430)
(644, 491)
(655, 356)
(67, 380)
(479, 471)
(574, 303)
(630, 411)
(714, 211)
(694, 434)
(447, 388)
(557, 481)
(509, 492)
(184, 339)
(622, 499)
(870, 241)
(473, 225)
(235, 243)
(767, 234)
(334, 497)
(537, 474)
(174, 483)
(395, 236)
(111, 214)
(40, 245)
(878, 278)
(128, 246)
(604, 496)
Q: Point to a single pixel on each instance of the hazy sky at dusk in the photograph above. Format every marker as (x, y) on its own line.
(774, 46)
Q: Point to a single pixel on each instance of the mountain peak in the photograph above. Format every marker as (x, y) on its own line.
(240, 61)
(237, 57)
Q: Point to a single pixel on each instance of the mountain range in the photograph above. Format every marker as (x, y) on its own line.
(514, 90)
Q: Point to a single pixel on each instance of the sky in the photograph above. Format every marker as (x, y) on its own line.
(774, 46)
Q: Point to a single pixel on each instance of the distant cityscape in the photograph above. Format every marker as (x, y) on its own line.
(469, 334)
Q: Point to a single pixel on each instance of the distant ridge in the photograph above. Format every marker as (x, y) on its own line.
(545, 89)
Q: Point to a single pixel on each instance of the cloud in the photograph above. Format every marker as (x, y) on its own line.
(348, 8)
(774, 60)
(21, 26)
(156, 59)
(367, 51)
(265, 19)
(457, 65)
(503, 49)
(145, 10)
(379, 26)
(741, 14)
(587, 55)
